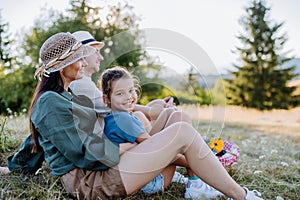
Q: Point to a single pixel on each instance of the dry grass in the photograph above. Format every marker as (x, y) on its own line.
(269, 142)
(283, 122)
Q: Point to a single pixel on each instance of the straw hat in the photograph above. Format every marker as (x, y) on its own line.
(86, 38)
(60, 51)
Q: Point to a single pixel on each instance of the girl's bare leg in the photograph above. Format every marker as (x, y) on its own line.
(142, 163)
(168, 174)
(178, 116)
(181, 161)
(161, 121)
(142, 118)
(166, 118)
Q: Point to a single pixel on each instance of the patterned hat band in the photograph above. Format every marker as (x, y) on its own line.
(63, 56)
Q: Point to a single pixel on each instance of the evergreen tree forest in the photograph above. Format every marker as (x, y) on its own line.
(118, 29)
(258, 81)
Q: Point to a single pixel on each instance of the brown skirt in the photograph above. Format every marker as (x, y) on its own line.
(84, 184)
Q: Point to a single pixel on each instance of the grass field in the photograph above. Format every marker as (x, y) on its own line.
(269, 143)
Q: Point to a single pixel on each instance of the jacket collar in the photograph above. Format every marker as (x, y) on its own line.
(67, 94)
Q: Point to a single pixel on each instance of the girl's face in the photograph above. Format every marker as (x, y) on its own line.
(123, 95)
(74, 71)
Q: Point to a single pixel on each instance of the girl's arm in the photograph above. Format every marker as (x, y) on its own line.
(146, 123)
(151, 112)
(154, 108)
(126, 146)
(142, 137)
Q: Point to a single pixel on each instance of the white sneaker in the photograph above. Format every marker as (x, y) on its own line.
(179, 178)
(203, 192)
(252, 195)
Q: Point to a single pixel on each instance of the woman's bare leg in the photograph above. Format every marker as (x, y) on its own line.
(173, 117)
(142, 163)
(164, 120)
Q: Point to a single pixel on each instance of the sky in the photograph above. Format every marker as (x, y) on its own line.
(211, 24)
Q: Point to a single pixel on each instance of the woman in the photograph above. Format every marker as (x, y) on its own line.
(90, 166)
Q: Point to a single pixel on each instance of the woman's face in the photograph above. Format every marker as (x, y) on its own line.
(74, 71)
(123, 95)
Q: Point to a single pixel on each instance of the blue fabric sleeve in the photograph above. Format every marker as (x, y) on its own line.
(122, 127)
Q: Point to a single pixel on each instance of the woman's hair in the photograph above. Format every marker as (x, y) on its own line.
(52, 83)
(114, 74)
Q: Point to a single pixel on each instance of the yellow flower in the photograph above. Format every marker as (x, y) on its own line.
(216, 145)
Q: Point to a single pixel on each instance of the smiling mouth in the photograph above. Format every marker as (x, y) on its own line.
(129, 103)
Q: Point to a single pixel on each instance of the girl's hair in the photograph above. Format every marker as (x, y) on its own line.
(114, 74)
(52, 83)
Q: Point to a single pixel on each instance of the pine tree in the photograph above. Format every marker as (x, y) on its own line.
(259, 82)
(6, 61)
(5, 44)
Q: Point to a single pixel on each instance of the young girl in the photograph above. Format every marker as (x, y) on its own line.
(119, 93)
(121, 126)
(124, 125)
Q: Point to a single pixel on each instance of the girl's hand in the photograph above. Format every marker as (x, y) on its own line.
(169, 103)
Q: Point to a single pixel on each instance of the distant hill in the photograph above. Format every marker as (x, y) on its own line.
(208, 81)
(294, 62)
(175, 79)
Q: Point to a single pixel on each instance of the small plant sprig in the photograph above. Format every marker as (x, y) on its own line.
(7, 141)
